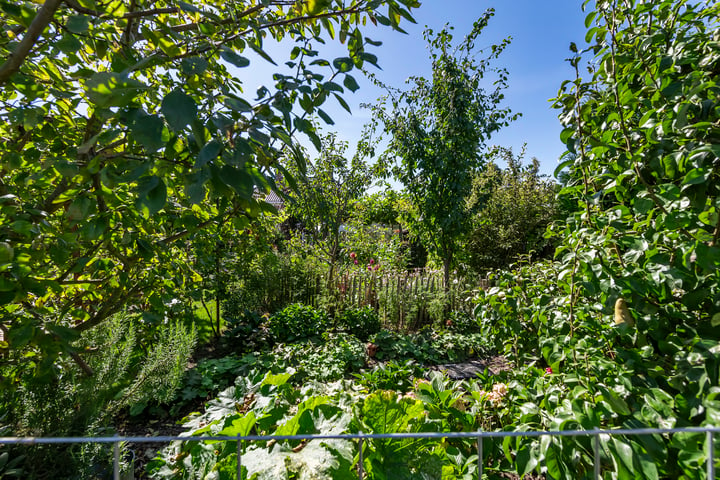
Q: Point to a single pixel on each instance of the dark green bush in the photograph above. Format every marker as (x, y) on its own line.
(297, 322)
(361, 322)
(245, 332)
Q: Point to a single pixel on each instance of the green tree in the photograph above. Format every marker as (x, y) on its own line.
(437, 132)
(511, 208)
(124, 130)
(325, 196)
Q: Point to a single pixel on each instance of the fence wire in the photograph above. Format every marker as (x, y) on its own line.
(361, 438)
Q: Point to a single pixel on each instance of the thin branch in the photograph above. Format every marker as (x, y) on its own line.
(139, 14)
(38, 25)
(192, 26)
(291, 21)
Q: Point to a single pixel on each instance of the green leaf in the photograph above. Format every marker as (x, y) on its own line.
(342, 102)
(343, 64)
(261, 52)
(350, 83)
(696, 176)
(526, 460)
(618, 405)
(326, 118)
(108, 89)
(239, 180)
(209, 152)
(238, 425)
(237, 104)
(178, 109)
(233, 58)
(77, 24)
(194, 65)
(624, 453)
(147, 131)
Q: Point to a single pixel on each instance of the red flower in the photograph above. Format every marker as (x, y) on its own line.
(353, 255)
(548, 370)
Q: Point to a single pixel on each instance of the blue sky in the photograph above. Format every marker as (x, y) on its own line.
(541, 32)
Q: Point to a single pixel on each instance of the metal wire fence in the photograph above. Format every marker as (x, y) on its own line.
(361, 438)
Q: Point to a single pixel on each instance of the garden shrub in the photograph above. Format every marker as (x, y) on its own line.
(268, 283)
(297, 322)
(126, 374)
(361, 322)
(246, 332)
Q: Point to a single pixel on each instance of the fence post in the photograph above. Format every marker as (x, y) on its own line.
(239, 458)
(596, 448)
(116, 460)
(480, 454)
(361, 473)
(710, 456)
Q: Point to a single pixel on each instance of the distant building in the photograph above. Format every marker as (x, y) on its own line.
(275, 200)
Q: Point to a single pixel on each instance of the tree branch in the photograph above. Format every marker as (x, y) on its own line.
(41, 20)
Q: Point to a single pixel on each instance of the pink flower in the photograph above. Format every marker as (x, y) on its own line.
(369, 268)
(372, 260)
(355, 262)
(548, 370)
(377, 267)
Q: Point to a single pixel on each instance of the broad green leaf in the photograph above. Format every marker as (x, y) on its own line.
(343, 64)
(179, 109)
(696, 176)
(233, 58)
(624, 453)
(156, 198)
(147, 131)
(350, 83)
(194, 65)
(77, 24)
(108, 89)
(238, 425)
(209, 152)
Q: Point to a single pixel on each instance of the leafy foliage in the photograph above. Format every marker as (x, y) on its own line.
(437, 130)
(511, 209)
(125, 131)
(297, 322)
(361, 322)
(128, 374)
(391, 375)
(324, 198)
(643, 171)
